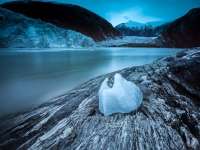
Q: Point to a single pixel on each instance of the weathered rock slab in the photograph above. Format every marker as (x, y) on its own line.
(169, 117)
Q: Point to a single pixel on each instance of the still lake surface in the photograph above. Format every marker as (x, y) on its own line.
(31, 76)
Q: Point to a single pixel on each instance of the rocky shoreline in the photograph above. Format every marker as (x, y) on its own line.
(169, 117)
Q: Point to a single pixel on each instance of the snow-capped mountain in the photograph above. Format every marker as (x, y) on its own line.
(131, 24)
(132, 28)
(18, 31)
(155, 23)
(134, 24)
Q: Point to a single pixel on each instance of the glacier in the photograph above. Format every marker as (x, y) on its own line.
(19, 31)
(123, 97)
(125, 40)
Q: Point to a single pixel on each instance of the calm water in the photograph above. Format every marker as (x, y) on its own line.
(30, 77)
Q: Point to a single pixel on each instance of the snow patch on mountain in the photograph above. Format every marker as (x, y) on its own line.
(131, 24)
(155, 23)
(125, 40)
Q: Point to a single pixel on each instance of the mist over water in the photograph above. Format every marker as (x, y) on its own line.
(31, 77)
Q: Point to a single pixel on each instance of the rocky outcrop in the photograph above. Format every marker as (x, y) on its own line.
(169, 117)
(67, 16)
(18, 31)
(183, 32)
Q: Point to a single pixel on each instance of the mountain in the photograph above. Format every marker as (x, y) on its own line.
(134, 24)
(18, 31)
(132, 28)
(168, 119)
(155, 23)
(67, 16)
(131, 24)
(184, 31)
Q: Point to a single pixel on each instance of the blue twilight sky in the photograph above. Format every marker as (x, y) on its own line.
(118, 11)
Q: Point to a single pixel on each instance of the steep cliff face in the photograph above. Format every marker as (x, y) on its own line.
(67, 16)
(169, 117)
(18, 31)
(183, 32)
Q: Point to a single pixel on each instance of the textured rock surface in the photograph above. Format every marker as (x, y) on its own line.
(169, 117)
(66, 15)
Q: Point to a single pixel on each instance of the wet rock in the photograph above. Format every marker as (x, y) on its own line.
(169, 117)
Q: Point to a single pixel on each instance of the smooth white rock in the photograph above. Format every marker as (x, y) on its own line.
(123, 97)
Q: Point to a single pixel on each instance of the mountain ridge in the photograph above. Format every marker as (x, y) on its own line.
(135, 24)
(148, 29)
(184, 31)
(19, 31)
(67, 16)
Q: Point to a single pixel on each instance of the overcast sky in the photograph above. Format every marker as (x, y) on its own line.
(118, 11)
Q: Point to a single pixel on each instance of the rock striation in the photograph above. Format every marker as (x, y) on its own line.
(169, 117)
